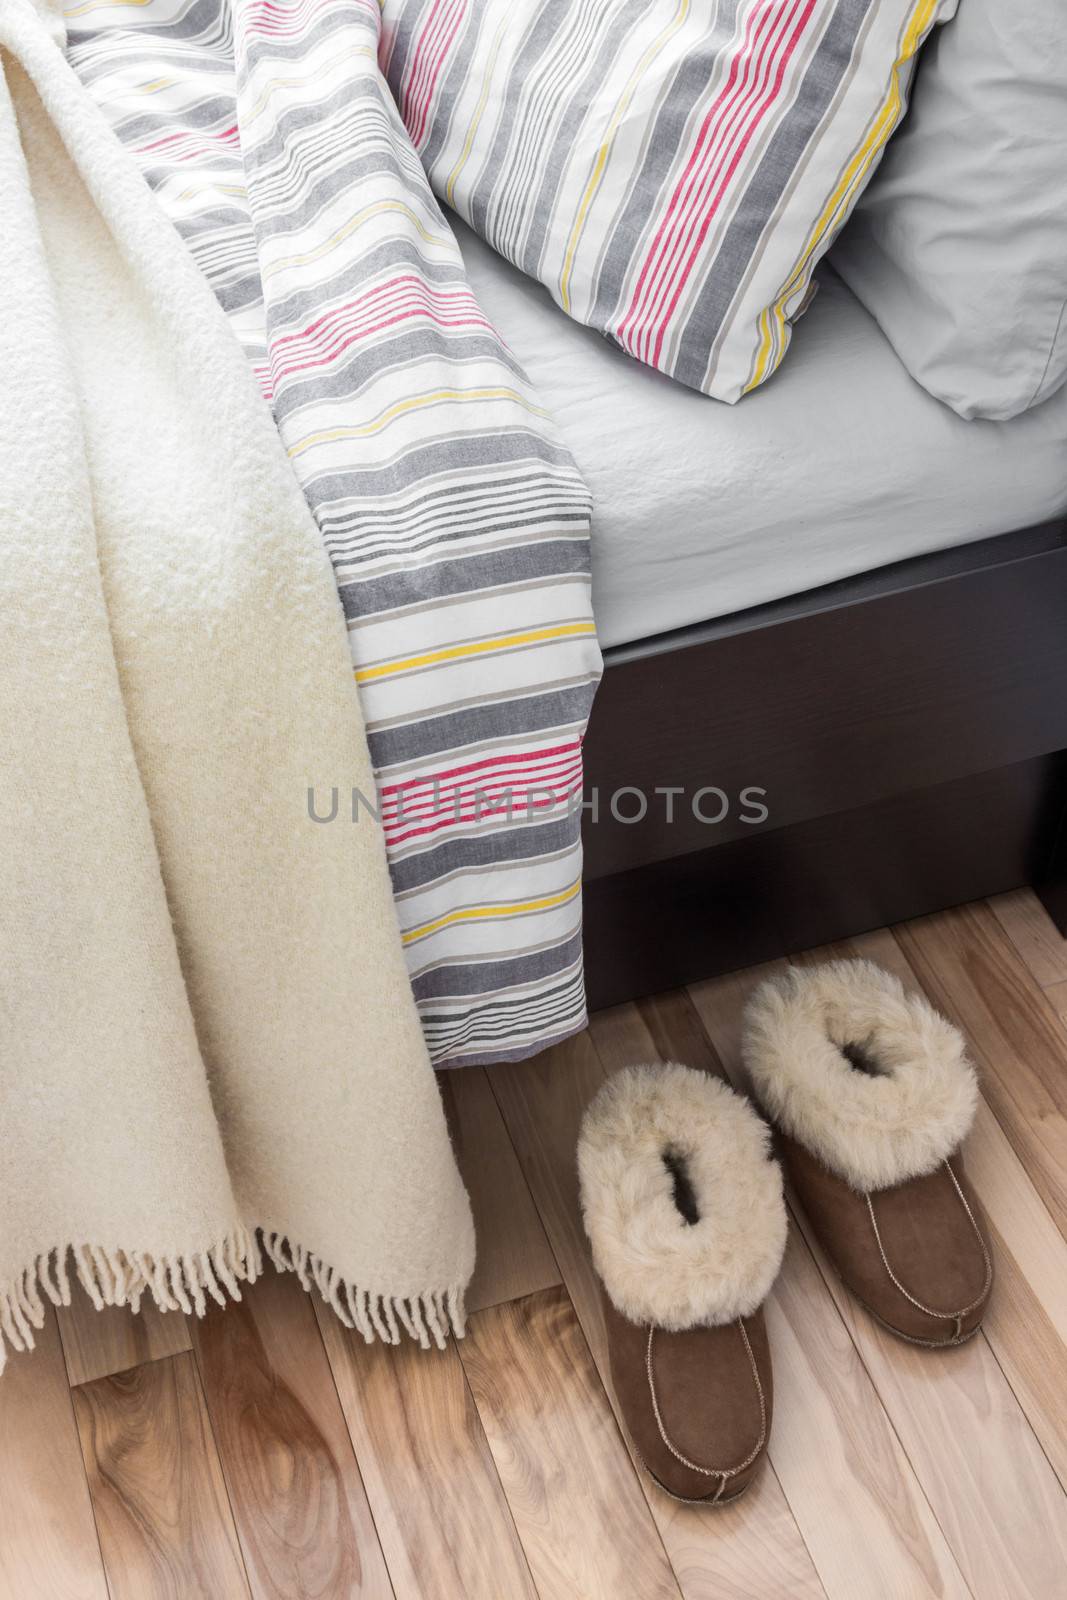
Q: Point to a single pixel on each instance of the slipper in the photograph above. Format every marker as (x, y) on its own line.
(682, 1202)
(871, 1093)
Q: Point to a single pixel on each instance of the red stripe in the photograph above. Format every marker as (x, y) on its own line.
(501, 777)
(427, 61)
(377, 327)
(417, 69)
(293, 22)
(754, 22)
(477, 766)
(201, 140)
(459, 804)
(734, 103)
(422, 833)
(738, 122)
(434, 74)
(725, 118)
(459, 796)
(345, 320)
(380, 291)
(714, 203)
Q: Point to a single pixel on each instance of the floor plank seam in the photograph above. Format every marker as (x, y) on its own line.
(884, 1408)
(694, 1012)
(800, 1531)
(1059, 1477)
(85, 1470)
(489, 1450)
(351, 1443)
(222, 1464)
(119, 1372)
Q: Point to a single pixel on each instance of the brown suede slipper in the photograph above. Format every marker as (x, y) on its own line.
(682, 1203)
(871, 1093)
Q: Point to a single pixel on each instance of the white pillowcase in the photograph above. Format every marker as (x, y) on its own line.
(959, 246)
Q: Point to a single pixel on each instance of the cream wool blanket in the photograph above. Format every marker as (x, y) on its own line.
(206, 1025)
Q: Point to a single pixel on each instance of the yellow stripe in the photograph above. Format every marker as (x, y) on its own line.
(459, 652)
(350, 227)
(605, 150)
(772, 319)
(416, 403)
(216, 188)
(301, 82)
(480, 913)
(479, 109)
(101, 5)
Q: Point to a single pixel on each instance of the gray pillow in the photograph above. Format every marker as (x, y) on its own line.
(959, 246)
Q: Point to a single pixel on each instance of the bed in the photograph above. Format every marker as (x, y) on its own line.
(837, 593)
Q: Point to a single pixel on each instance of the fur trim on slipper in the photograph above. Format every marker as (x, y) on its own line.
(681, 1197)
(873, 1081)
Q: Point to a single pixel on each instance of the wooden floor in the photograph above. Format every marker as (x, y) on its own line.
(266, 1451)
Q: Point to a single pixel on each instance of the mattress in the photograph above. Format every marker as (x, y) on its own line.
(840, 464)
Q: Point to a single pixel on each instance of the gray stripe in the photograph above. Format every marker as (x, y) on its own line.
(409, 346)
(456, 730)
(579, 97)
(461, 53)
(778, 170)
(498, 846)
(510, 849)
(535, 98)
(666, 136)
(295, 309)
(488, 1058)
(454, 581)
(537, 39)
(437, 456)
(524, 967)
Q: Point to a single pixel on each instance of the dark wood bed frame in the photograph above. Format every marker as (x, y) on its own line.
(909, 728)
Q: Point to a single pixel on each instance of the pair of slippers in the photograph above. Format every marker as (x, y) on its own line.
(870, 1094)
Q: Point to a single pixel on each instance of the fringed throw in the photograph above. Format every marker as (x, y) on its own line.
(187, 1282)
(206, 1026)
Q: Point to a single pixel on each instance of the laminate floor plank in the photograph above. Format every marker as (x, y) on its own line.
(298, 1500)
(48, 1542)
(442, 1518)
(846, 1476)
(166, 1531)
(974, 974)
(514, 1257)
(720, 1004)
(585, 1526)
(98, 1343)
(1034, 934)
(987, 1480)
(736, 1552)
(1026, 1324)
(1057, 997)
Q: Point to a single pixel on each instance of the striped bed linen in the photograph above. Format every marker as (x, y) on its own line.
(455, 519)
(671, 170)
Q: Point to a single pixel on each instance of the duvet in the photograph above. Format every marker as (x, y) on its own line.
(455, 520)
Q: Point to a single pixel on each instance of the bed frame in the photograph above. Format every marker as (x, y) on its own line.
(909, 728)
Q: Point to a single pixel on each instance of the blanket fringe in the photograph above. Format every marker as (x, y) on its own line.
(187, 1282)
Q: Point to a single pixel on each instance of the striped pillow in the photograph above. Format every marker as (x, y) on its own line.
(671, 170)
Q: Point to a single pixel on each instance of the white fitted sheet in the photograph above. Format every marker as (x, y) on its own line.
(841, 463)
